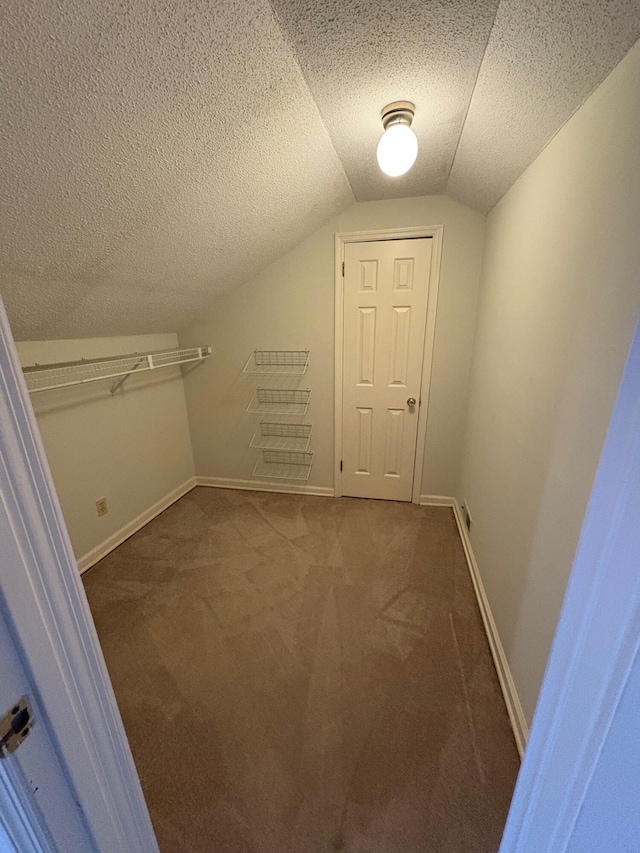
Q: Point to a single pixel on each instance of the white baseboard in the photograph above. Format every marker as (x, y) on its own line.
(436, 500)
(266, 486)
(95, 554)
(507, 684)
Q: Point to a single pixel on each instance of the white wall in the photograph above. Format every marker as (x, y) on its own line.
(132, 448)
(559, 299)
(290, 305)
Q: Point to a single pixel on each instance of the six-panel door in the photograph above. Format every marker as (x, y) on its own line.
(385, 306)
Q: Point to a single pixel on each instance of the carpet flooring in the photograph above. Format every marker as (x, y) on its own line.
(300, 674)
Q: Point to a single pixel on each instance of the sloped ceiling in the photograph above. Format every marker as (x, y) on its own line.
(156, 152)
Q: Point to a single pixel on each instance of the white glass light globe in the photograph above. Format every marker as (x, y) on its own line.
(397, 150)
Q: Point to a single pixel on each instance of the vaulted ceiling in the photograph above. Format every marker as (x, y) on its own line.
(155, 152)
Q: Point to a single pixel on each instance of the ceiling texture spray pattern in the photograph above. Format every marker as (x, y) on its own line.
(357, 57)
(543, 60)
(155, 153)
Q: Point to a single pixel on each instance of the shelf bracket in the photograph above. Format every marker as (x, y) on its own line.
(148, 359)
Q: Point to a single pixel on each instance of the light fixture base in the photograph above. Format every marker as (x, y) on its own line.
(398, 112)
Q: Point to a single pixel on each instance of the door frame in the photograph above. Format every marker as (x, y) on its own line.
(595, 647)
(435, 232)
(48, 615)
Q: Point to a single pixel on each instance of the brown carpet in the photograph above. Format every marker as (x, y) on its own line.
(304, 674)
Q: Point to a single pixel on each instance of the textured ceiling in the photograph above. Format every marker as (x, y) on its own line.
(544, 58)
(154, 153)
(358, 56)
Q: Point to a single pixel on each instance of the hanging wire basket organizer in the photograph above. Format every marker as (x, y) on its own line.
(271, 435)
(283, 362)
(279, 401)
(284, 465)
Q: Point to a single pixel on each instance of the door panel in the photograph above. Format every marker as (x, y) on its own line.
(385, 305)
(393, 444)
(366, 345)
(401, 322)
(364, 441)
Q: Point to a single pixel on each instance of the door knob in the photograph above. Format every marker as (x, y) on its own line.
(411, 402)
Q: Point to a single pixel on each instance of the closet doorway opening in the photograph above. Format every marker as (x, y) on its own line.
(386, 291)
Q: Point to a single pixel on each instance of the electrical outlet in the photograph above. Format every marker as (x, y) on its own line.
(467, 515)
(102, 507)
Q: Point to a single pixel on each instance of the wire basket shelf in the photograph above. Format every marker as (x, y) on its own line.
(279, 401)
(47, 377)
(284, 465)
(283, 362)
(276, 436)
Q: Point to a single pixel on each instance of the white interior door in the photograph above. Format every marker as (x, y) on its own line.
(40, 813)
(386, 285)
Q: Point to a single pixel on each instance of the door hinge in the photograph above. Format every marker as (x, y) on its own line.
(343, 268)
(15, 726)
(341, 464)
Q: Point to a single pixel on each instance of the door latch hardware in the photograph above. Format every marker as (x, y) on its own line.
(15, 726)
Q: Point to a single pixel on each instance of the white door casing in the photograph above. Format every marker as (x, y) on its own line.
(45, 608)
(386, 289)
(38, 811)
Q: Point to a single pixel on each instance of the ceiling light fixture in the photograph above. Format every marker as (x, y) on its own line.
(398, 148)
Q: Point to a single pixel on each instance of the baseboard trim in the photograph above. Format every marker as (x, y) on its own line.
(95, 554)
(436, 500)
(507, 684)
(258, 486)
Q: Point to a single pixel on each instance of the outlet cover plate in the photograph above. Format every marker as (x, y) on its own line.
(467, 515)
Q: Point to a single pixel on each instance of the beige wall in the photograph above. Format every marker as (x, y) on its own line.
(559, 299)
(290, 305)
(132, 448)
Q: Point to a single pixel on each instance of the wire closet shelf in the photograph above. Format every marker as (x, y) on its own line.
(284, 465)
(271, 435)
(279, 401)
(47, 377)
(282, 362)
